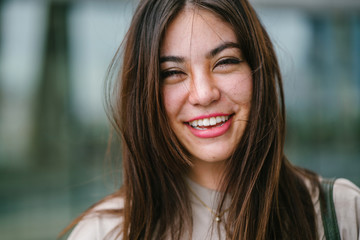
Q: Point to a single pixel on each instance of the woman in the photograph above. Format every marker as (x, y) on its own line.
(199, 106)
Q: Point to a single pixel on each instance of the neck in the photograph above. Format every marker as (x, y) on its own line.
(207, 174)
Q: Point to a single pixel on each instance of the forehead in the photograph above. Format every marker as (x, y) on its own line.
(194, 30)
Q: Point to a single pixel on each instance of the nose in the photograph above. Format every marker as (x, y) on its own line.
(203, 90)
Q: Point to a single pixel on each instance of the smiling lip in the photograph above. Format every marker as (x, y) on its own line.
(212, 131)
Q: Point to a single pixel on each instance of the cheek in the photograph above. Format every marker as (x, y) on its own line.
(244, 91)
(239, 90)
(174, 97)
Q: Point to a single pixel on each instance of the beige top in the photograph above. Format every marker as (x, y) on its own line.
(346, 200)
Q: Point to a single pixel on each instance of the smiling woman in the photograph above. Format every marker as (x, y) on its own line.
(199, 106)
(207, 89)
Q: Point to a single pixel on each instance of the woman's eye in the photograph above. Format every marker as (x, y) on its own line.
(227, 61)
(171, 74)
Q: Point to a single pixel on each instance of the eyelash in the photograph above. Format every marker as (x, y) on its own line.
(170, 73)
(227, 61)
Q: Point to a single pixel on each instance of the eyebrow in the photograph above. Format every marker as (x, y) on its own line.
(172, 59)
(212, 53)
(222, 47)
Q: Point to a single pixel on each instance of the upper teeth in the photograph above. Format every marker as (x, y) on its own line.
(209, 121)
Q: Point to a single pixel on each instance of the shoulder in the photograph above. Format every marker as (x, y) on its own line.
(99, 222)
(344, 190)
(346, 197)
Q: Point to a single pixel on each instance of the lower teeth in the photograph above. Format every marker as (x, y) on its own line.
(198, 128)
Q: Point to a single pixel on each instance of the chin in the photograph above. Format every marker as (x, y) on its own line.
(212, 157)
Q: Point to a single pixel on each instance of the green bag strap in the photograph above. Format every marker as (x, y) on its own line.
(328, 213)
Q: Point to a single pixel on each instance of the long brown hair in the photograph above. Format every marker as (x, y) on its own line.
(269, 197)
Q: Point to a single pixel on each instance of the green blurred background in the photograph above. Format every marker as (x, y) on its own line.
(54, 131)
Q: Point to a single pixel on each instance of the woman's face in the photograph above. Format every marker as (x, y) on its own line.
(206, 84)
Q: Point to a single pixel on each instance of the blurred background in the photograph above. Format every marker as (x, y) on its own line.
(54, 131)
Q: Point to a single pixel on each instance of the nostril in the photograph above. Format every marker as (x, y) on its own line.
(204, 95)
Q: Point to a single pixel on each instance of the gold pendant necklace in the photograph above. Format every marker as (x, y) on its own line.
(217, 216)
